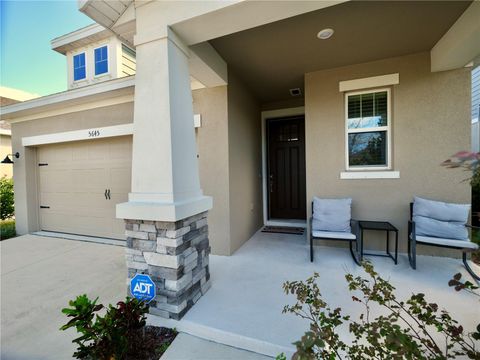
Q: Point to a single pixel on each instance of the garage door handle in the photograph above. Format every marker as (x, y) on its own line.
(105, 193)
(108, 193)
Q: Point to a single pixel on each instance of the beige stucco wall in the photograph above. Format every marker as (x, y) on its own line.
(5, 149)
(212, 145)
(26, 206)
(244, 146)
(430, 122)
(229, 148)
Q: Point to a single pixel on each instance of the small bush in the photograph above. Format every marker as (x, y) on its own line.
(6, 198)
(118, 335)
(405, 331)
(7, 229)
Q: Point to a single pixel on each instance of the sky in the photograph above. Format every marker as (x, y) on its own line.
(27, 61)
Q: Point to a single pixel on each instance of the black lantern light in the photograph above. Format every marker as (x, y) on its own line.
(7, 160)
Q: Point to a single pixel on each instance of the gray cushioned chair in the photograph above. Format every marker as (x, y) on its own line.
(331, 220)
(427, 222)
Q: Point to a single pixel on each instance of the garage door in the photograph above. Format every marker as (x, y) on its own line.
(81, 182)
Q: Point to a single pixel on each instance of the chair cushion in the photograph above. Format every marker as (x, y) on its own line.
(338, 235)
(461, 244)
(441, 220)
(332, 214)
(440, 210)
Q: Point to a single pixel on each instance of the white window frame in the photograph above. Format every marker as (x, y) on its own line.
(372, 129)
(108, 61)
(73, 67)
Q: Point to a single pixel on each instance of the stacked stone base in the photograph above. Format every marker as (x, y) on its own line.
(175, 255)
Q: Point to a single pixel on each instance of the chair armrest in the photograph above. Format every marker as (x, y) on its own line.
(472, 227)
(355, 225)
(411, 230)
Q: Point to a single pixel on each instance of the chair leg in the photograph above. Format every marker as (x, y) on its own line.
(467, 266)
(353, 254)
(412, 253)
(311, 248)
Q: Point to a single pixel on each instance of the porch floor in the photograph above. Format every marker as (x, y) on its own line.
(244, 306)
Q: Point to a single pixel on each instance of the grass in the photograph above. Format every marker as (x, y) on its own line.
(7, 229)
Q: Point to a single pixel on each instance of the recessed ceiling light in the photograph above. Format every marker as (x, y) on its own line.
(325, 34)
(295, 92)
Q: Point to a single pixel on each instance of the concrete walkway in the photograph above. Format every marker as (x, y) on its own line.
(39, 275)
(244, 306)
(187, 347)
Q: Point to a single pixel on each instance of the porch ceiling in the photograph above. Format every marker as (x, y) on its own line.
(273, 58)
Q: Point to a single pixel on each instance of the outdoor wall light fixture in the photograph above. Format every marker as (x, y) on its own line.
(325, 34)
(7, 160)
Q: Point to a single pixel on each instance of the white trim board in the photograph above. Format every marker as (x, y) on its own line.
(270, 114)
(76, 135)
(369, 82)
(357, 175)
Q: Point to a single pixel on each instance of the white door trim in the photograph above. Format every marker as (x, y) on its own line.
(85, 134)
(271, 114)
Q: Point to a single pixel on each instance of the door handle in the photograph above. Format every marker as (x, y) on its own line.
(108, 193)
(105, 193)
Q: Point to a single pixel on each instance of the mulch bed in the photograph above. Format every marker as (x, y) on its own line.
(151, 342)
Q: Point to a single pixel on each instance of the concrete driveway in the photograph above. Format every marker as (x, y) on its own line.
(39, 275)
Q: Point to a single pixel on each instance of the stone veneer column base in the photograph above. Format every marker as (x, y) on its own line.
(175, 255)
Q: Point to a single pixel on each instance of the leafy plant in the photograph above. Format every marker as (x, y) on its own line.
(6, 198)
(465, 286)
(7, 229)
(406, 330)
(108, 336)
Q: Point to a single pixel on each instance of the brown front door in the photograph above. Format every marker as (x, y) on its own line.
(286, 168)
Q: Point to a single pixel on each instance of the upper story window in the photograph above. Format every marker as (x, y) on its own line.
(368, 130)
(79, 69)
(101, 60)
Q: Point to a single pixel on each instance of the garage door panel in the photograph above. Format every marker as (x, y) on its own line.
(120, 180)
(73, 185)
(56, 200)
(120, 150)
(56, 180)
(89, 180)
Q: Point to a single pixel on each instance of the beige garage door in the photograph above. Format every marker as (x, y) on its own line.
(81, 182)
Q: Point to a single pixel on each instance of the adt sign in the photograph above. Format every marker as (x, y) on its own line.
(142, 288)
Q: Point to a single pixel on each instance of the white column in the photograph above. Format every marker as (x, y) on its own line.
(165, 180)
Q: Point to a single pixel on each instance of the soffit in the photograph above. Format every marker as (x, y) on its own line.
(273, 58)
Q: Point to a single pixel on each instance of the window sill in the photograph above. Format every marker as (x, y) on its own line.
(354, 175)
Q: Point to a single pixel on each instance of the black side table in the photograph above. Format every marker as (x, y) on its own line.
(380, 226)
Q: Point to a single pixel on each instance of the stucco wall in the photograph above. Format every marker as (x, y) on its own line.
(430, 122)
(244, 144)
(212, 145)
(5, 149)
(26, 206)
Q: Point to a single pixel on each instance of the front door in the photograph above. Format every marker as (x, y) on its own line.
(286, 168)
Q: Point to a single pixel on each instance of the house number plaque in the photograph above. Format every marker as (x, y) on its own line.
(93, 133)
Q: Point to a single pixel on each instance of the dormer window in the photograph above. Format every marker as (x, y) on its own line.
(101, 60)
(79, 72)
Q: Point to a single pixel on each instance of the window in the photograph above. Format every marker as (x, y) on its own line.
(368, 130)
(79, 72)
(101, 60)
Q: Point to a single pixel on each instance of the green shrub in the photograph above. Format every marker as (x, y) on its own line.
(109, 336)
(6, 198)
(7, 229)
(404, 331)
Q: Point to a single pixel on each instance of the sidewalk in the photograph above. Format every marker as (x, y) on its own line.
(187, 347)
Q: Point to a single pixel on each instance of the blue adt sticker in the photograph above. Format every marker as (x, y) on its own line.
(142, 288)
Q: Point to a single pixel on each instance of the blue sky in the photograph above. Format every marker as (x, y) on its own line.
(27, 61)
